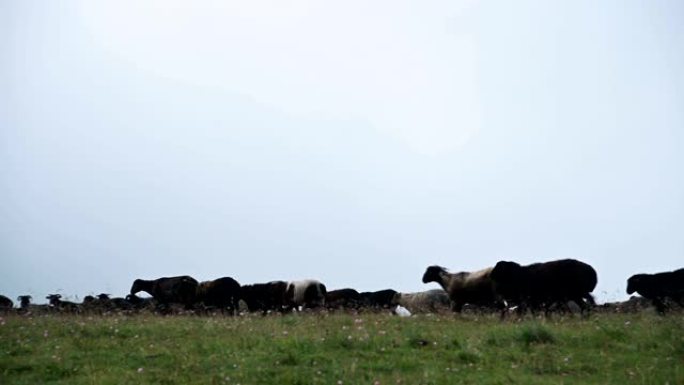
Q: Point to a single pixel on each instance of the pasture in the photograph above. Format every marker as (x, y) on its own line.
(342, 348)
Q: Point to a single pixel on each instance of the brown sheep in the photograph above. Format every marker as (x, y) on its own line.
(474, 288)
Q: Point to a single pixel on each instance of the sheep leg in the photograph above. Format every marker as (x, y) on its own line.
(503, 312)
(590, 299)
(585, 306)
(503, 309)
(659, 305)
(235, 306)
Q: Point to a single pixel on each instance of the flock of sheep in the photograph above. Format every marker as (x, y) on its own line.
(543, 287)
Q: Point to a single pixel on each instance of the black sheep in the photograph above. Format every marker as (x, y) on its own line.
(26, 307)
(542, 285)
(24, 301)
(65, 306)
(659, 287)
(139, 303)
(168, 290)
(379, 299)
(6, 303)
(264, 296)
(222, 293)
(343, 298)
(116, 303)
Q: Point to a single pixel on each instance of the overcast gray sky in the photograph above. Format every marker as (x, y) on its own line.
(356, 142)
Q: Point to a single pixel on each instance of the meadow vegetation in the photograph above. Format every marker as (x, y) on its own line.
(342, 348)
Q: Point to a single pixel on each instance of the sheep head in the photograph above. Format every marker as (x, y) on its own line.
(433, 273)
(138, 285)
(54, 298)
(635, 283)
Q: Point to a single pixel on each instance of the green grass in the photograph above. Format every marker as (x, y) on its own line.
(638, 348)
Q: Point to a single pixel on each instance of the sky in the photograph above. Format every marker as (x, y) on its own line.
(353, 142)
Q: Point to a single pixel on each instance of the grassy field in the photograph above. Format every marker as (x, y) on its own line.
(640, 348)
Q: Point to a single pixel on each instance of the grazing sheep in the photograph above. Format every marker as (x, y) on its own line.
(424, 302)
(64, 306)
(343, 298)
(308, 293)
(659, 287)
(222, 293)
(116, 303)
(5, 303)
(100, 304)
(381, 299)
(264, 296)
(542, 285)
(474, 288)
(139, 303)
(89, 299)
(91, 303)
(169, 290)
